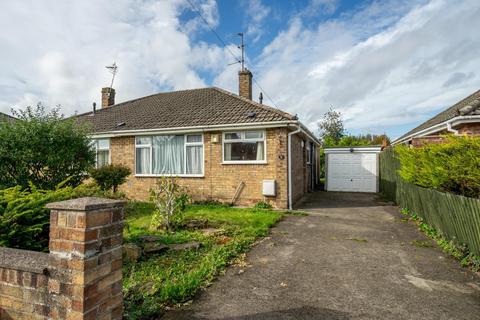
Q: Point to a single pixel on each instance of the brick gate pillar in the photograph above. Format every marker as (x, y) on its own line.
(85, 265)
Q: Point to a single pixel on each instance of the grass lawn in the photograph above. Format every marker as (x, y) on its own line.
(157, 281)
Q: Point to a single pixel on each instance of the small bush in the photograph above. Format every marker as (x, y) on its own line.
(262, 205)
(449, 167)
(24, 220)
(170, 200)
(111, 176)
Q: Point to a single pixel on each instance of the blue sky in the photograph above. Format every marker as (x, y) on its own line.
(386, 65)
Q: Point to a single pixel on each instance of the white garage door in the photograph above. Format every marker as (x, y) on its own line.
(353, 172)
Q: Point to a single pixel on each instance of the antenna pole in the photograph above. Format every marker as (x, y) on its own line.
(242, 48)
(113, 69)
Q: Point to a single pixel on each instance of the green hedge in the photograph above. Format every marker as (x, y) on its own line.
(452, 167)
(456, 217)
(24, 220)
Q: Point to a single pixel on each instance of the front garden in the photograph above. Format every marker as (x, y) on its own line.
(214, 234)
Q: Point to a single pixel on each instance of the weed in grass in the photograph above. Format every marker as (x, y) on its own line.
(296, 213)
(421, 243)
(357, 239)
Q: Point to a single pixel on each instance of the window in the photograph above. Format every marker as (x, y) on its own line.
(309, 153)
(244, 147)
(169, 155)
(102, 152)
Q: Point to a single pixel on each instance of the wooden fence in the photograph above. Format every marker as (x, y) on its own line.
(456, 217)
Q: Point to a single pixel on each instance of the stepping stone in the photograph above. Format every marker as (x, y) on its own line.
(150, 248)
(196, 224)
(184, 246)
(132, 252)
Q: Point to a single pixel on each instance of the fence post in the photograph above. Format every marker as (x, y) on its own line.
(85, 265)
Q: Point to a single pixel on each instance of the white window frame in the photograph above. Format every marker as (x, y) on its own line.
(150, 147)
(95, 144)
(243, 139)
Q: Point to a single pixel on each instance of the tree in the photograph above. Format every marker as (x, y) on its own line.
(331, 127)
(110, 176)
(44, 149)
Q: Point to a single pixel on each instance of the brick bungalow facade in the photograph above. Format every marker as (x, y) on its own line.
(463, 118)
(220, 145)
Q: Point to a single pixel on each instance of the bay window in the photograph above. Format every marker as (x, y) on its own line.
(169, 155)
(244, 147)
(102, 152)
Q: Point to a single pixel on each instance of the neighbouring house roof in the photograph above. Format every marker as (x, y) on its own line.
(454, 111)
(183, 109)
(6, 117)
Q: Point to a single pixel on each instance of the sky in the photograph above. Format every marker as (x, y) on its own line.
(385, 65)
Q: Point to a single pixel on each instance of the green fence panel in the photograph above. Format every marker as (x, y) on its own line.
(456, 217)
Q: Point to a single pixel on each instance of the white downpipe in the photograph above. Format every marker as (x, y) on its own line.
(289, 146)
(450, 129)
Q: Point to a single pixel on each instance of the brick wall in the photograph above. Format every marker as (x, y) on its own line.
(471, 129)
(23, 284)
(299, 168)
(81, 277)
(420, 141)
(220, 181)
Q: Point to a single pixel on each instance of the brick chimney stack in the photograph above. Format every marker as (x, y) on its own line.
(108, 97)
(245, 83)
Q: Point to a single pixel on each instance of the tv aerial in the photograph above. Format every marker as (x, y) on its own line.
(113, 70)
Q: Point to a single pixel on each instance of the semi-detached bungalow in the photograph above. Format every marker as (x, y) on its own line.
(463, 118)
(220, 145)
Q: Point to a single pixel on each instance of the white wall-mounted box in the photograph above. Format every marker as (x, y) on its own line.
(269, 189)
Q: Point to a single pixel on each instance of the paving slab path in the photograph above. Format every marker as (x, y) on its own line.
(352, 257)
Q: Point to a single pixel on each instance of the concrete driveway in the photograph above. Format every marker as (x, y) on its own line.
(352, 257)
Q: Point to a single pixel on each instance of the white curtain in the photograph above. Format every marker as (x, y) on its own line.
(168, 154)
(143, 161)
(228, 151)
(260, 151)
(194, 159)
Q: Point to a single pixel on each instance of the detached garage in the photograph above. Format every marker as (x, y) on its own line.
(352, 169)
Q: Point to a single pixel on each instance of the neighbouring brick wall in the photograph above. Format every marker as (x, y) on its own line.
(220, 181)
(299, 168)
(420, 141)
(81, 277)
(470, 129)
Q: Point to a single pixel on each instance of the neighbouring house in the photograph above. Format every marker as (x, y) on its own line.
(6, 117)
(463, 118)
(221, 146)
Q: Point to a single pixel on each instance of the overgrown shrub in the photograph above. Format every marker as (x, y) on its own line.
(170, 200)
(111, 176)
(44, 149)
(24, 220)
(453, 166)
(262, 205)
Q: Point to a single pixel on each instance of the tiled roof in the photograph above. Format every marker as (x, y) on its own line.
(443, 116)
(4, 116)
(186, 108)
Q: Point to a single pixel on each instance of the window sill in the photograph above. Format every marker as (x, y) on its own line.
(169, 175)
(244, 162)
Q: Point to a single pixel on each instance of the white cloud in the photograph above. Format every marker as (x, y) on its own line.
(256, 13)
(380, 70)
(56, 51)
